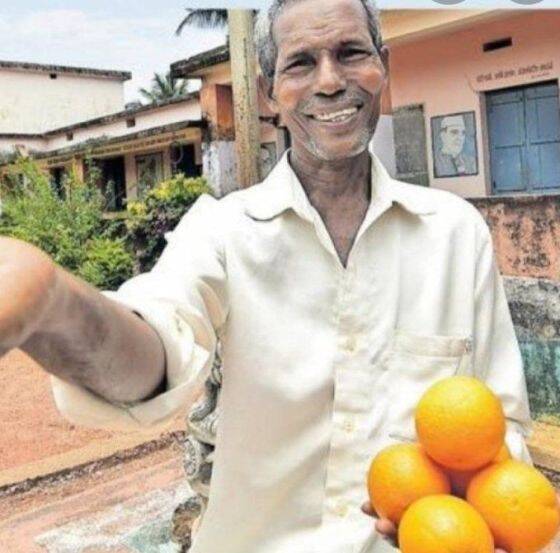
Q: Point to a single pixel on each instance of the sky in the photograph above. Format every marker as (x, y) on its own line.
(133, 35)
(120, 34)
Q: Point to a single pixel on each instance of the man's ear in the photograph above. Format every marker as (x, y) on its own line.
(267, 93)
(384, 55)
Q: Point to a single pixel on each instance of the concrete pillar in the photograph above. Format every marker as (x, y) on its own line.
(130, 177)
(218, 146)
(77, 167)
(246, 110)
(167, 172)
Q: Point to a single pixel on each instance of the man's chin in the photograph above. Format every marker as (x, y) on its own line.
(337, 152)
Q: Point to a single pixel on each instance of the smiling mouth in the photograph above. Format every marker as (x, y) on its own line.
(338, 116)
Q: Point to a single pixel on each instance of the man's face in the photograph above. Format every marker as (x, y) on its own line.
(329, 77)
(453, 139)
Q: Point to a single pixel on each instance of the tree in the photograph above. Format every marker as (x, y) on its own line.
(164, 88)
(203, 19)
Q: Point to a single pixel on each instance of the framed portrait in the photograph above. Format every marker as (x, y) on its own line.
(454, 145)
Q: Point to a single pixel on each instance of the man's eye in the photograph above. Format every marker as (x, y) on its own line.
(354, 54)
(298, 63)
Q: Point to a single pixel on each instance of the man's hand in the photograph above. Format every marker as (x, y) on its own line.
(386, 528)
(383, 525)
(27, 283)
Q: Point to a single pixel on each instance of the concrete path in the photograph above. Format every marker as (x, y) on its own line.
(126, 508)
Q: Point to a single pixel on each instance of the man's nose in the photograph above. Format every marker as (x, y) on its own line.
(330, 76)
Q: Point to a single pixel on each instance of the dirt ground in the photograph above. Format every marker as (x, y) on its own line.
(30, 426)
(34, 437)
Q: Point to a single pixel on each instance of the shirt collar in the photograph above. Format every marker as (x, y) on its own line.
(281, 190)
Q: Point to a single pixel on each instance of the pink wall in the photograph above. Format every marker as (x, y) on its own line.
(524, 233)
(446, 73)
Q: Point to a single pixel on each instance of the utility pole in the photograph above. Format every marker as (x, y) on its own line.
(245, 104)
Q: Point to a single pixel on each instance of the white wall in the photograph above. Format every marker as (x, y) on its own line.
(383, 144)
(30, 144)
(34, 103)
(167, 115)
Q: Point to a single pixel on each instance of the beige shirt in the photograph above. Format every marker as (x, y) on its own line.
(323, 364)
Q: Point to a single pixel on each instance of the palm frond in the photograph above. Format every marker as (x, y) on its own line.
(160, 83)
(164, 87)
(182, 87)
(147, 94)
(203, 19)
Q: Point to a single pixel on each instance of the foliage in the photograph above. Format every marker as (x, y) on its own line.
(207, 19)
(107, 263)
(164, 88)
(7, 157)
(159, 212)
(203, 19)
(69, 227)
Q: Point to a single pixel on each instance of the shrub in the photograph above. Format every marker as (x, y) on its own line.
(68, 228)
(107, 263)
(159, 212)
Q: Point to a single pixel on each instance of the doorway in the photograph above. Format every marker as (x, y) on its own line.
(524, 138)
(183, 160)
(111, 180)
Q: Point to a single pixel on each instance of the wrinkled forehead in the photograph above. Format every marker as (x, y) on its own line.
(308, 25)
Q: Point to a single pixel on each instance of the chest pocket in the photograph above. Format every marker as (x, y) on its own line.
(413, 363)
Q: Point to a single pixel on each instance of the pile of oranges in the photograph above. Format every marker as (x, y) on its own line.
(458, 489)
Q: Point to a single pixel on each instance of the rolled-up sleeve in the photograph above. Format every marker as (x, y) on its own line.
(496, 355)
(183, 298)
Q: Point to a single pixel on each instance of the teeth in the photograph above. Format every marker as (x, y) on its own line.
(336, 116)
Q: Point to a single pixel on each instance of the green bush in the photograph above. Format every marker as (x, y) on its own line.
(159, 212)
(107, 263)
(71, 228)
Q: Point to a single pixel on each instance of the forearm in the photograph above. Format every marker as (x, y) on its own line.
(87, 339)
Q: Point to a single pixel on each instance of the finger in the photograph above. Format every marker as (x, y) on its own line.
(386, 527)
(501, 551)
(368, 509)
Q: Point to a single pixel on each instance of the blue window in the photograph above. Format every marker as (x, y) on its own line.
(524, 135)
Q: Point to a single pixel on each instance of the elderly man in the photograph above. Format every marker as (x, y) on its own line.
(338, 295)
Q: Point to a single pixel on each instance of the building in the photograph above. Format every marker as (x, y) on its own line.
(495, 85)
(472, 108)
(35, 98)
(133, 148)
(69, 117)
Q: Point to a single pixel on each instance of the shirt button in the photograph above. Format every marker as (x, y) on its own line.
(348, 425)
(350, 343)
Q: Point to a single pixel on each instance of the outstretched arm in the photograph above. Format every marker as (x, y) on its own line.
(72, 330)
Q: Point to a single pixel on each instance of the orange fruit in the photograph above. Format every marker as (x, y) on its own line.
(460, 479)
(399, 475)
(518, 503)
(444, 524)
(460, 423)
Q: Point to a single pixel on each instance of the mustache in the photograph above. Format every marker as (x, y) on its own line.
(349, 97)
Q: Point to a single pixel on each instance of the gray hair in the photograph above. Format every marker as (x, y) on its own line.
(267, 51)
